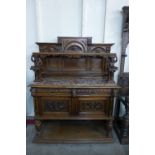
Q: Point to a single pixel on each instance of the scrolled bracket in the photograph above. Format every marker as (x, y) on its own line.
(112, 68)
(111, 60)
(35, 68)
(37, 60)
(33, 58)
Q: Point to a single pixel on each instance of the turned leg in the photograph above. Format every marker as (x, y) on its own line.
(109, 128)
(38, 126)
(125, 127)
(125, 122)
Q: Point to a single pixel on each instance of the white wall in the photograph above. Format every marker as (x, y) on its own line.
(58, 18)
(31, 37)
(113, 26)
(93, 23)
(47, 19)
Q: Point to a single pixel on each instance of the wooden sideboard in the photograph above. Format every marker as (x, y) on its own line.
(73, 91)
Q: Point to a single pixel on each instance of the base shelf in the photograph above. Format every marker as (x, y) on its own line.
(73, 132)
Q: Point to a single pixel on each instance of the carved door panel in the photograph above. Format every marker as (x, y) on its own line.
(92, 106)
(55, 105)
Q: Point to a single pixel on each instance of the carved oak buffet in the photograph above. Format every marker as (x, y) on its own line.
(73, 91)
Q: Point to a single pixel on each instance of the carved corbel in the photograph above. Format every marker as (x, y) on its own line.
(36, 59)
(111, 60)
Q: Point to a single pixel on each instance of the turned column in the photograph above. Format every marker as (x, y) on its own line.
(125, 122)
(125, 127)
(38, 125)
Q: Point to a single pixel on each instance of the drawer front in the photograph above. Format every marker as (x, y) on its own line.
(92, 92)
(50, 92)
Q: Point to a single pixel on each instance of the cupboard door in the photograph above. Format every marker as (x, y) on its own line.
(92, 106)
(54, 105)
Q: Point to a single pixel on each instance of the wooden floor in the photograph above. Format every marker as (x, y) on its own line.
(73, 132)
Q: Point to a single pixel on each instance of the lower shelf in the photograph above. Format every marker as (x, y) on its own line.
(73, 132)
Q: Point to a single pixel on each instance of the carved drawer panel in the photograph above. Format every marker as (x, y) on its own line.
(88, 92)
(50, 92)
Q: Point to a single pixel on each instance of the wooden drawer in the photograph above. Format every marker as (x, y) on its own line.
(50, 92)
(91, 92)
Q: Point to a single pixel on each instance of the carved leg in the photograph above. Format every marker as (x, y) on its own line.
(38, 126)
(109, 128)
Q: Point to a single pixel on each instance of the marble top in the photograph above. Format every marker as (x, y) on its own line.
(75, 83)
